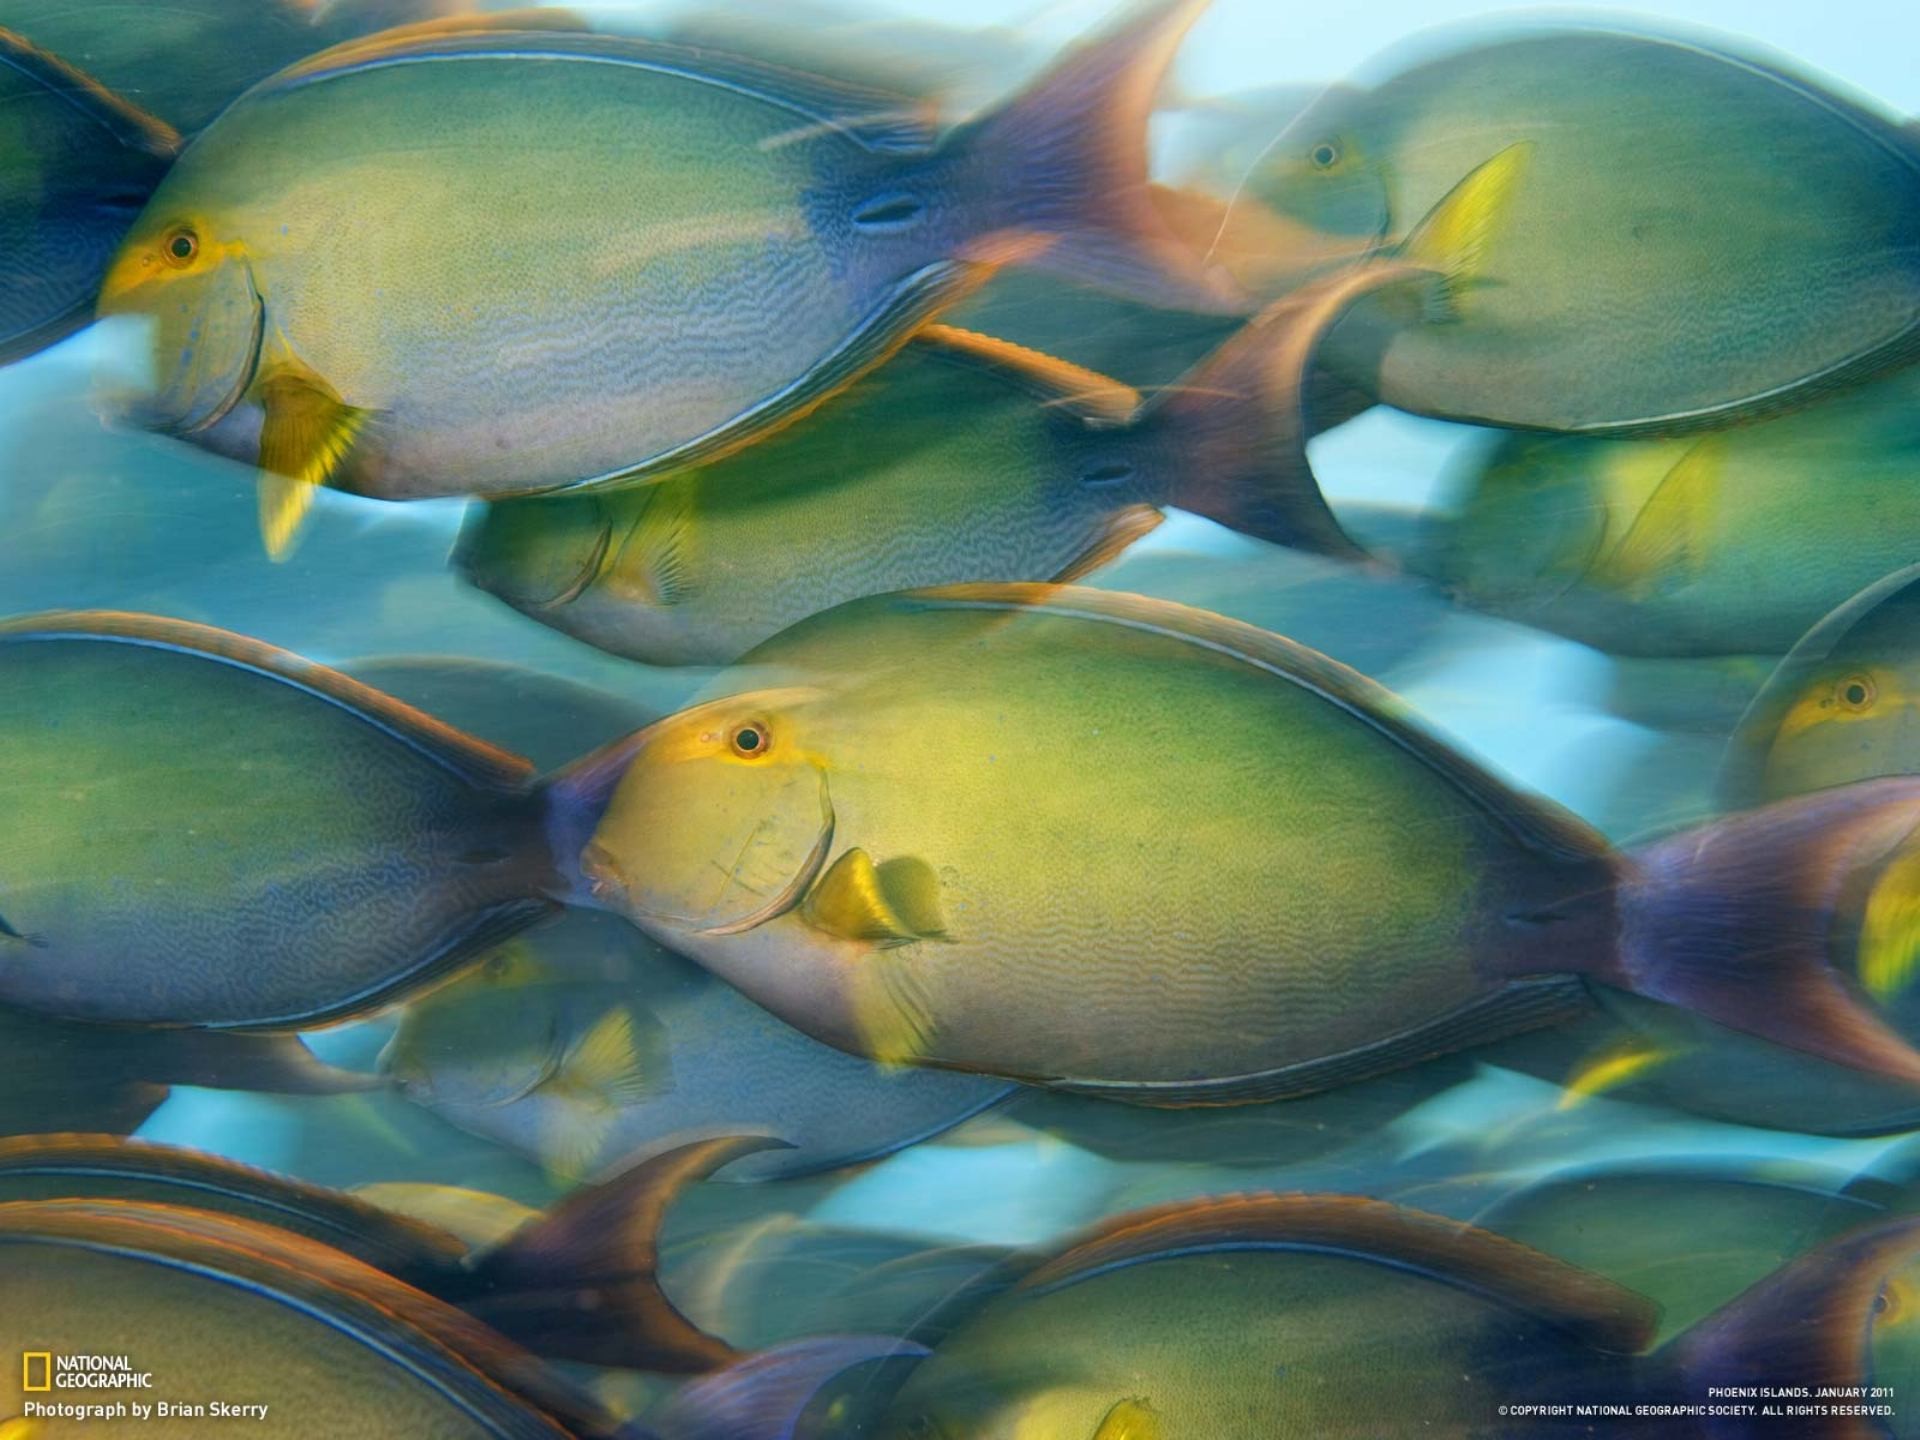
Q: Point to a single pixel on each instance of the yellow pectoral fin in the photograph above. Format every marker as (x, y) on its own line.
(1453, 239)
(306, 434)
(1131, 1419)
(891, 903)
(608, 1066)
(1670, 534)
(1890, 932)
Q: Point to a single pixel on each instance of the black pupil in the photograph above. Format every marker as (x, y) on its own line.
(748, 740)
(1856, 694)
(1323, 156)
(182, 246)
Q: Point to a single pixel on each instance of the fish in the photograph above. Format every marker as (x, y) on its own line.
(98, 102)
(1161, 1323)
(257, 1317)
(1727, 544)
(1703, 235)
(593, 1251)
(1839, 707)
(966, 458)
(203, 830)
(1125, 848)
(524, 327)
(587, 1042)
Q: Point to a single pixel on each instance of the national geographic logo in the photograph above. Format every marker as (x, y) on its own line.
(43, 1371)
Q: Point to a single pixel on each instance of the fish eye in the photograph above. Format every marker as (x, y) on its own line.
(180, 246)
(1890, 1305)
(1856, 693)
(1325, 155)
(750, 740)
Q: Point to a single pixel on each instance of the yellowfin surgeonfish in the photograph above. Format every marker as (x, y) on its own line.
(1127, 848)
(437, 308)
(1703, 236)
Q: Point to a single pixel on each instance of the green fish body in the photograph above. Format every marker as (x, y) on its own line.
(1255, 1316)
(1697, 237)
(203, 830)
(1728, 544)
(931, 471)
(1108, 843)
(1691, 1240)
(372, 272)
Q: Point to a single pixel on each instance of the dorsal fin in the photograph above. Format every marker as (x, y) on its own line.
(1587, 1306)
(94, 1164)
(1094, 397)
(472, 759)
(875, 119)
(126, 122)
(1533, 822)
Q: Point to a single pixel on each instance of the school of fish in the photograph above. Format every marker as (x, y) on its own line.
(699, 740)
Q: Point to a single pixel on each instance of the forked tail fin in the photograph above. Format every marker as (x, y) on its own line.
(1066, 160)
(1238, 423)
(1747, 920)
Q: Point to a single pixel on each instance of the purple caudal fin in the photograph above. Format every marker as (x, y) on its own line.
(1808, 1324)
(1238, 423)
(1749, 920)
(764, 1396)
(1059, 173)
(582, 1282)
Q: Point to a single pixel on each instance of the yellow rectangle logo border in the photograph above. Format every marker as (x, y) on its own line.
(45, 1357)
